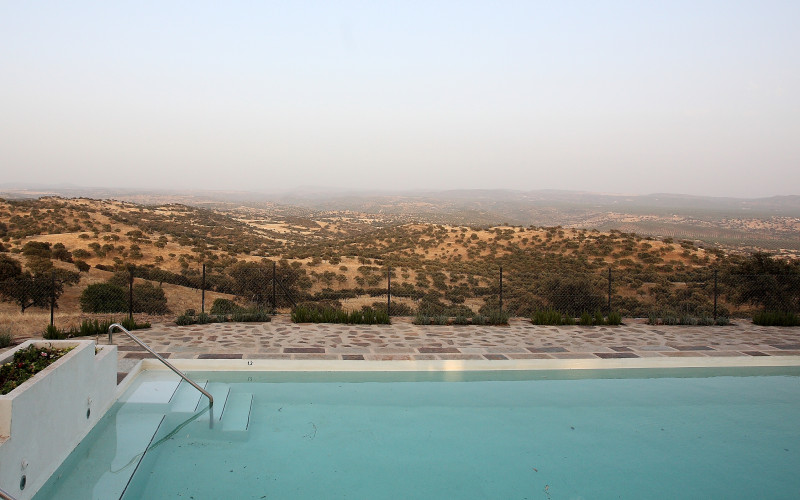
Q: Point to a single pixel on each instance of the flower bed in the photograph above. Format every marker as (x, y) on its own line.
(27, 362)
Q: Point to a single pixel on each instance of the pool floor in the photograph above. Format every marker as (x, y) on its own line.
(526, 435)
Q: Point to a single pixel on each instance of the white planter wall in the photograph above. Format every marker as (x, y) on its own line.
(44, 419)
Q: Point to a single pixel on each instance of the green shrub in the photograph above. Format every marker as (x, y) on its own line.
(573, 294)
(776, 318)
(461, 320)
(687, 320)
(6, 339)
(53, 333)
(301, 314)
(93, 327)
(190, 318)
(599, 319)
(184, 320)
(705, 321)
(614, 318)
(421, 319)
(90, 327)
(104, 298)
(367, 316)
(587, 320)
(547, 317)
(498, 318)
(356, 318)
(440, 319)
(37, 249)
(225, 306)
(132, 324)
(250, 316)
(670, 319)
(149, 299)
(480, 319)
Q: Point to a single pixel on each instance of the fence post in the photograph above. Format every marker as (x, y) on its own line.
(203, 291)
(609, 289)
(389, 291)
(53, 298)
(274, 298)
(501, 289)
(715, 295)
(130, 293)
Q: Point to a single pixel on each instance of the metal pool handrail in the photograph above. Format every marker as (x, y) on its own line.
(5, 496)
(167, 363)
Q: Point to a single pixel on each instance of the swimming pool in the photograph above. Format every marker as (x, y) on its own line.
(635, 433)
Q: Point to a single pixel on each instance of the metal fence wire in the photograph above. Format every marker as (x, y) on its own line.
(139, 290)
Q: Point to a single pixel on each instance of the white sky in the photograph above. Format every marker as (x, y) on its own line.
(692, 97)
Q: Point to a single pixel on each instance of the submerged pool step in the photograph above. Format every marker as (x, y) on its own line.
(219, 392)
(186, 398)
(236, 416)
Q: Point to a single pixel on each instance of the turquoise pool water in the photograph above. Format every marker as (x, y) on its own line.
(695, 433)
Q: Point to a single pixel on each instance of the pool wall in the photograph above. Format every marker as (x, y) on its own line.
(45, 418)
(54, 420)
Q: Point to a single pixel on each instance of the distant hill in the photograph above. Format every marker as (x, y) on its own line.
(745, 224)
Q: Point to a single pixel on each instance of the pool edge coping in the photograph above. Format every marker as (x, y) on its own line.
(454, 365)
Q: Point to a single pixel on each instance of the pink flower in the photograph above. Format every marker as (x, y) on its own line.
(44, 354)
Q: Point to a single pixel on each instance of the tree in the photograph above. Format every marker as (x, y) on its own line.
(35, 289)
(253, 280)
(37, 248)
(9, 268)
(150, 299)
(765, 281)
(104, 298)
(60, 252)
(572, 294)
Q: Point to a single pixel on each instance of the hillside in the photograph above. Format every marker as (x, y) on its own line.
(734, 224)
(344, 255)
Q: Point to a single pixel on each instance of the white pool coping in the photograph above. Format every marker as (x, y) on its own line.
(310, 365)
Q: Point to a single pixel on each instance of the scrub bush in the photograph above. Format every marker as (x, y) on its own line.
(103, 298)
(548, 317)
(225, 306)
(776, 318)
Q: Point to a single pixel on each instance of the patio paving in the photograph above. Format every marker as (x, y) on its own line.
(402, 340)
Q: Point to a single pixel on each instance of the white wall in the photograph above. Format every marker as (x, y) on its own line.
(44, 419)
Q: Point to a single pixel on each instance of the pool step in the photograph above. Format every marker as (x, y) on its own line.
(157, 390)
(219, 392)
(186, 398)
(236, 416)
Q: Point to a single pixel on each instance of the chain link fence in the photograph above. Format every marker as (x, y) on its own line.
(152, 294)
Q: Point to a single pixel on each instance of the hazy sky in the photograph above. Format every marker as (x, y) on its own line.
(691, 97)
